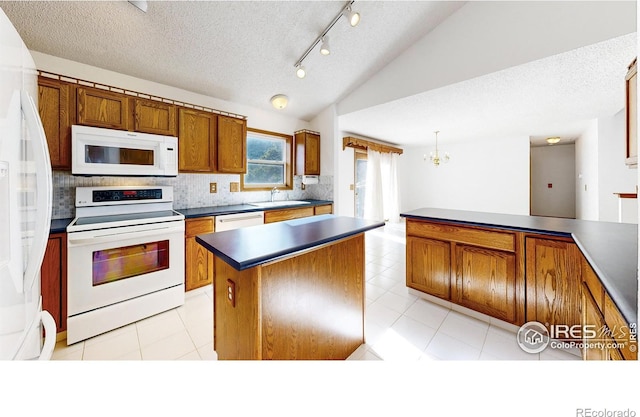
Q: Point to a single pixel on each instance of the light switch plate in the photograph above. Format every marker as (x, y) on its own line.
(234, 187)
(213, 187)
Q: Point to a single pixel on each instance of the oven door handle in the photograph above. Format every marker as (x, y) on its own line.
(115, 237)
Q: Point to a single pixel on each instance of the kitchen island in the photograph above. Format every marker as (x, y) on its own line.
(290, 290)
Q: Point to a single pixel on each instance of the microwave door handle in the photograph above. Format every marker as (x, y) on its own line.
(44, 188)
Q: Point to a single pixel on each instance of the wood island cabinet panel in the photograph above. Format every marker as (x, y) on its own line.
(307, 146)
(54, 279)
(429, 266)
(592, 319)
(478, 237)
(231, 147)
(198, 260)
(55, 107)
(155, 117)
(101, 108)
(271, 216)
(553, 281)
(196, 140)
(486, 282)
(626, 334)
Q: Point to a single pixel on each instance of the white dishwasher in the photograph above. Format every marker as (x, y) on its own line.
(238, 220)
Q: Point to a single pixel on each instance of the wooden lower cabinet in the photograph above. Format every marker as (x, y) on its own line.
(54, 279)
(486, 281)
(271, 216)
(323, 209)
(198, 261)
(472, 267)
(553, 281)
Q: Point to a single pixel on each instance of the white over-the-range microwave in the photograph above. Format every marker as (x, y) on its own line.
(99, 151)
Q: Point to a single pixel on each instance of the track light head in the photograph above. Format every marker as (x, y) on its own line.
(324, 48)
(352, 16)
(301, 72)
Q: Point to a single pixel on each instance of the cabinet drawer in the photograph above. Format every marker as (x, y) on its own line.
(287, 214)
(328, 209)
(453, 233)
(620, 330)
(195, 227)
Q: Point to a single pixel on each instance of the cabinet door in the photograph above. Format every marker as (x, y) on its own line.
(324, 209)
(307, 153)
(231, 145)
(198, 260)
(54, 106)
(429, 266)
(54, 279)
(196, 140)
(631, 115)
(553, 281)
(486, 281)
(154, 117)
(102, 108)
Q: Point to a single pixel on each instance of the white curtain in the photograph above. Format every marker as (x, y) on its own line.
(381, 192)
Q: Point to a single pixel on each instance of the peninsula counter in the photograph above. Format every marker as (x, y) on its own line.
(290, 290)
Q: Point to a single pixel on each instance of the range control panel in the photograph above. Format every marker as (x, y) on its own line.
(126, 195)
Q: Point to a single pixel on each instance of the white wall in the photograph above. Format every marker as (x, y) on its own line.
(490, 176)
(587, 194)
(613, 174)
(256, 118)
(553, 165)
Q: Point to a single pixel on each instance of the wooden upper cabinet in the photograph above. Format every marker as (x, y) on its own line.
(231, 149)
(101, 108)
(55, 105)
(554, 281)
(154, 117)
(307, 153)
(632, 116)
(196, 140)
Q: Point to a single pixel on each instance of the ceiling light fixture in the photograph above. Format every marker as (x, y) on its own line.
(553, 141)
(300, 71)
(435, 157)
(354, 19)
(279, 101)
(140, 4)
(324, 48)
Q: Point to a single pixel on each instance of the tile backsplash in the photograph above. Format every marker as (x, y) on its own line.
(189, 190)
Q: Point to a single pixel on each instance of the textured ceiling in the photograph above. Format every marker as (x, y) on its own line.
(240, 51)
(554, 96)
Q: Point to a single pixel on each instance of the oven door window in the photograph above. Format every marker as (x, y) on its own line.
(111, 265)
(116, 155)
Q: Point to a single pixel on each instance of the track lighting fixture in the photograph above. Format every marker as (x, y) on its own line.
(300, 71)
(346, 11)
(324, 48)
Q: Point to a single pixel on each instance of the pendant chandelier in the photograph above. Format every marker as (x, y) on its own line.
(435, 156)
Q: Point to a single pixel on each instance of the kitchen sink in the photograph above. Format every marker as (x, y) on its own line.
(280, 203)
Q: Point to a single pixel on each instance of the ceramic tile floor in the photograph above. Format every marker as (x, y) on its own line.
(399, 326)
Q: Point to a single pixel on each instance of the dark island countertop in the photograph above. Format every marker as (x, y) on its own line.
(610, 248)
(190, 213)
(252, 246)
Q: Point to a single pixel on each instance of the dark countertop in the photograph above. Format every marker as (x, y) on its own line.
(252, 246)
(59, 225)
(190, 213)
(610, 248)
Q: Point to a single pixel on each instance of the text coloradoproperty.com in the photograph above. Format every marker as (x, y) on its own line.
(590, 412)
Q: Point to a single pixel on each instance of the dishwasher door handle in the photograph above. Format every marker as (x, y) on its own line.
(239, 219)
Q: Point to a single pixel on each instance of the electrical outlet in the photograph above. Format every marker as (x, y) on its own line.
(213, 187)
(352, 187)
(303, 186)
(231, 292)
(234, 187)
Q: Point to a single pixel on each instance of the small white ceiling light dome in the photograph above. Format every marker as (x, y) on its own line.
(324, 48)
(553, 141)
(352, 16)
(301, 72)
(279, 101)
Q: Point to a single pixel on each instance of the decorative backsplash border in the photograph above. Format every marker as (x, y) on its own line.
(189, 190)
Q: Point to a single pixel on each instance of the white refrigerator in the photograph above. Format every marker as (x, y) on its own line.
(26, 332)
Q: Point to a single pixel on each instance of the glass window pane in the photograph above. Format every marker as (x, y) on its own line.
(264, 174)
(261, 149)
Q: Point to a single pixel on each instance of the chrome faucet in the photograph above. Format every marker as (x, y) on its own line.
(273, 192)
